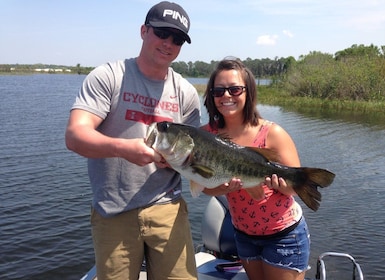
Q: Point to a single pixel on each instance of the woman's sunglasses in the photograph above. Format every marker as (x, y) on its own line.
(164, 33)
(233, 91)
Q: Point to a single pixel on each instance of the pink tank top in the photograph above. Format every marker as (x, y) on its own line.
(267, 216)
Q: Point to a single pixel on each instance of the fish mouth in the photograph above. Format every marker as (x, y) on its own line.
(152, 133)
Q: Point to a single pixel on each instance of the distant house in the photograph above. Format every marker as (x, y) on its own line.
(44, 70)
(50, 70)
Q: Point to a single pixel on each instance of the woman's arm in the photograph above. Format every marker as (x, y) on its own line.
(281, 142)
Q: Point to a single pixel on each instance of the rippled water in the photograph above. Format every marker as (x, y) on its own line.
(45, 197)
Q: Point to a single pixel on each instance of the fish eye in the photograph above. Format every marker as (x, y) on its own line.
(163, 126)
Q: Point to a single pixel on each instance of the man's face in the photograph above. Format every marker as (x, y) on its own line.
(159, 44)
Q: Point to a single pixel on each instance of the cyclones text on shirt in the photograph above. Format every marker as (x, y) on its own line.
(151, 108)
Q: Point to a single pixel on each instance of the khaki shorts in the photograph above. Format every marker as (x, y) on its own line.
(160, 233)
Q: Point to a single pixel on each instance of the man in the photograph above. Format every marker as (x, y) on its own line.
(137, 209)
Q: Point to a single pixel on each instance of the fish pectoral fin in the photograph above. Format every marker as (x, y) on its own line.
(204, 171)
(195, 188)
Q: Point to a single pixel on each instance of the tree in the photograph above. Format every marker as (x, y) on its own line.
(78, 69)
(358, 50)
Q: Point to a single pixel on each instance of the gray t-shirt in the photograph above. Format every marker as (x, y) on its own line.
(128, 102)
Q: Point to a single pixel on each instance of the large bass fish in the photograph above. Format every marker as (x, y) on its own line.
(208, 161)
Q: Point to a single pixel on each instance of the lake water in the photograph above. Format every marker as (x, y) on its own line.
(45, 196)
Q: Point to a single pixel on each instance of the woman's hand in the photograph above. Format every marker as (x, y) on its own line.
(275, 182)
(234, 185)
(279, 184)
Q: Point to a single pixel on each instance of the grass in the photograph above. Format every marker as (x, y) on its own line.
(200, 88)
(274, 96)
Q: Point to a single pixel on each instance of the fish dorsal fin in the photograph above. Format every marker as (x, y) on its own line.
(224, 136)
(268, 154)
(204, 171)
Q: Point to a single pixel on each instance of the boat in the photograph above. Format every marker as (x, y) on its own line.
(216, 257)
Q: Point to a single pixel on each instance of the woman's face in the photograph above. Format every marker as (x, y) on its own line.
(228, 105)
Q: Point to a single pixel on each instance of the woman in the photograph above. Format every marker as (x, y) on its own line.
(271, 235)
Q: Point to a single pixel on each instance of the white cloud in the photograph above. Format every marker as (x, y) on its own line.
(267, 40)
(288, 33)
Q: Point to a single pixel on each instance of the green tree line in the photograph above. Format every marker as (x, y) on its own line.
(355, 73)
(43, 68)
(261, 68)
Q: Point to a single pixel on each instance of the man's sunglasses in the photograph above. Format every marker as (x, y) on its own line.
(164, 33)
(233, 91)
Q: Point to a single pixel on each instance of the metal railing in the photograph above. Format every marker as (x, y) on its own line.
(321, 269)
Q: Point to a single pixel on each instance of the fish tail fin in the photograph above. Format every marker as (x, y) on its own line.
(308, 191)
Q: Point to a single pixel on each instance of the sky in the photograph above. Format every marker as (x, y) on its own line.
(92, 32)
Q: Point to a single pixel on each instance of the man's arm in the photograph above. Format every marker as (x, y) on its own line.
(82, 137)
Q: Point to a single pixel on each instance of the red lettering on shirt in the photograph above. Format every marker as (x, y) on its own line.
(150, 102)
(137, 116)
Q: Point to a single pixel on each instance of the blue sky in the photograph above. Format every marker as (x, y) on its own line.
(91, 32)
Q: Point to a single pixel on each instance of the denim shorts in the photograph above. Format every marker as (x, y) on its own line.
(290, 251)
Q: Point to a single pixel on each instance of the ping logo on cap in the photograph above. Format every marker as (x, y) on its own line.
(176, 16)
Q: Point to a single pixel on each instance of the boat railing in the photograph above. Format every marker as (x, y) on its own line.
(321, 269)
